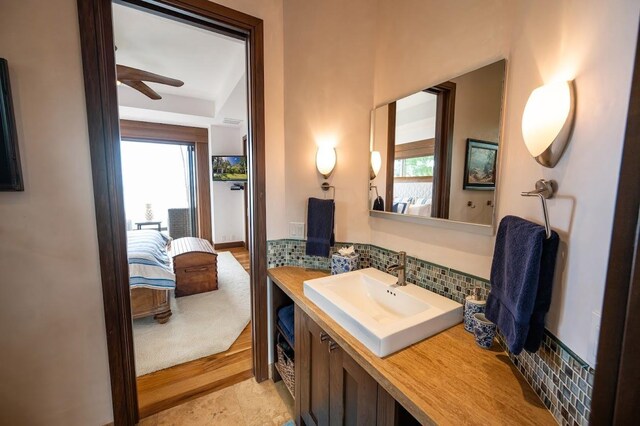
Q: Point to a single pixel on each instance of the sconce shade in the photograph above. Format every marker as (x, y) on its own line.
(547, 121)
(376, 162)
(325, 160)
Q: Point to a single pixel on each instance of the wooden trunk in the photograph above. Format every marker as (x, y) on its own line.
(195, 265)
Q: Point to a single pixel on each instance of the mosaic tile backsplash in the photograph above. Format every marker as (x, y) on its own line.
(561, 379)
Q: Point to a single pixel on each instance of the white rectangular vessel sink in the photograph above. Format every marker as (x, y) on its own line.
(384, 317)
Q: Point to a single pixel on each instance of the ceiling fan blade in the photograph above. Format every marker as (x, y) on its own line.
(142, 88)
(128, 73)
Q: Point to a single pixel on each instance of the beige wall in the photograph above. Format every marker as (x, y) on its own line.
(54, 358)
(477, 116)
(54, 367)
(419, 43)
(329, 57)
(593, 42)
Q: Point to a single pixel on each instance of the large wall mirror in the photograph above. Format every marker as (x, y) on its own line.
(435, 152)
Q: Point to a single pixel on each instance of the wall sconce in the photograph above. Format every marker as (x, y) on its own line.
(547, 121)
(376, 162)
(325, 160)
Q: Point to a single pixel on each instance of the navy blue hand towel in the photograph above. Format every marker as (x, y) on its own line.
(521, 282)
(286, 321)
(378, 204)
(320, 227)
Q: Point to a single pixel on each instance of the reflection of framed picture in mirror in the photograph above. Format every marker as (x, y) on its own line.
(480, 165)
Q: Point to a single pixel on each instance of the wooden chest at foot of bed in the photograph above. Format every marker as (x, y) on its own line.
(195, 264)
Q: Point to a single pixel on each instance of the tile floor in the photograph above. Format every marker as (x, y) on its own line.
(246, 403)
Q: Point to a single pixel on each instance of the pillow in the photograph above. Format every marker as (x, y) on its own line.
(419, 210)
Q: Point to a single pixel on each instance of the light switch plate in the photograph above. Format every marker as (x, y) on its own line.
(296, 230)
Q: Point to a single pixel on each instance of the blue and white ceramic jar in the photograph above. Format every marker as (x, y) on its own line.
(472, 306)
(484, 330)
(341, 264)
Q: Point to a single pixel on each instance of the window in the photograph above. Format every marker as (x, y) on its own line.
(159, 177)
(414, 167)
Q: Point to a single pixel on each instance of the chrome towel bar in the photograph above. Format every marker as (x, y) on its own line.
(326, 187)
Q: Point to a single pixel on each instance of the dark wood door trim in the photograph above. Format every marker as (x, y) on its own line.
(246, 199)
(445, 111)
(196, 136)
(96, 36)
(203, 194)
(616, 393)
(104, 140)
(391, 149)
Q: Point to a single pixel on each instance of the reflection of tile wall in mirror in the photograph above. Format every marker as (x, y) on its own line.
(424, 155)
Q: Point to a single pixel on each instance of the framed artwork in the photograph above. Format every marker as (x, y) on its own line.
(480, 165)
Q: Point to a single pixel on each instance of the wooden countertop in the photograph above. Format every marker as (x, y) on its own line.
(445, 379)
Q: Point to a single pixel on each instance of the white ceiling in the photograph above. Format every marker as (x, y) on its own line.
(210, 64)
(416, 117)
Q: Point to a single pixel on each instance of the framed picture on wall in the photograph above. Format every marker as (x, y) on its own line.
(480, 165)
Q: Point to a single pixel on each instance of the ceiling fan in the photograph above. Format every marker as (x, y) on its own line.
(135, 79)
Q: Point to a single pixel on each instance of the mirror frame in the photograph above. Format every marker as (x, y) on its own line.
(474, 228)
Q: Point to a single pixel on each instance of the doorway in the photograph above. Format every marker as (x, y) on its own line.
(97, 42)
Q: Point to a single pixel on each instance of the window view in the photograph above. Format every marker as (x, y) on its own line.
(159, 187)
(414, 167)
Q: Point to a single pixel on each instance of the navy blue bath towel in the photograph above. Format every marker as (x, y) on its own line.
(285, 320)
(521, 282)
(320, 237)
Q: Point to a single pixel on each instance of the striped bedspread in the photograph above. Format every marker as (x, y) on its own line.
(149, 263)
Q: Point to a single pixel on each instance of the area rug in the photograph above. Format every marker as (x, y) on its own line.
(201, 325)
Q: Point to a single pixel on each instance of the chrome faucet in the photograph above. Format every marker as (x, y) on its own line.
(401, 267)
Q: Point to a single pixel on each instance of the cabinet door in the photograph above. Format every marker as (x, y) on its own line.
(354, 393)
(312, 372)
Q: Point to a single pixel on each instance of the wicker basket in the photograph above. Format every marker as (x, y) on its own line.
(286, 369)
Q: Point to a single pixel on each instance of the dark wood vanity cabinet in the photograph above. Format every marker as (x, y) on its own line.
(332, 388)
(311, 371)
(353, 392)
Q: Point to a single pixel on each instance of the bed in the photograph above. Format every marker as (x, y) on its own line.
(151, 277)
(412, 206)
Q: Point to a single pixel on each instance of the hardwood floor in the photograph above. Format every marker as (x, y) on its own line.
(242, 255)
(167, 388)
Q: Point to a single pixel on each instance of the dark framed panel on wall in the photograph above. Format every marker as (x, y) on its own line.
(10, 168)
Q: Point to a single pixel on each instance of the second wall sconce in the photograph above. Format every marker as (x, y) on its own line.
(325, 160)
(375, 164)
(547, 121)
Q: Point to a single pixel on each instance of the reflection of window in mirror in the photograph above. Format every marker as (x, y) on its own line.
(414, 169)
